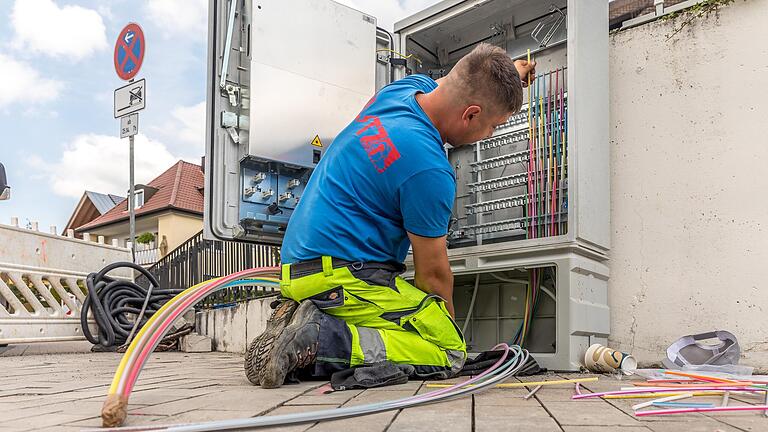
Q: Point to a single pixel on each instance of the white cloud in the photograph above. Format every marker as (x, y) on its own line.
(184, 131)
(100, 163)
(191, 120)
(21, 83)
(179, 17)
(69, 32)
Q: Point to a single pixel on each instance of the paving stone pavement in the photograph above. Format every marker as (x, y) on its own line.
(64, 392)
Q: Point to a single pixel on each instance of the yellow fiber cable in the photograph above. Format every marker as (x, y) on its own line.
(400, 54)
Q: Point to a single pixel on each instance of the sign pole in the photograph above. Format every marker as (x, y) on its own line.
(131, 201)
(129, 99)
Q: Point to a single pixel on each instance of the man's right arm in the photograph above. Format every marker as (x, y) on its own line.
(526, 70)
(426, 200)
(432, 272)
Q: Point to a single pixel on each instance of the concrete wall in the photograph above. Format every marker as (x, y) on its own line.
(232, 328)
(177, 228)
(688, 159)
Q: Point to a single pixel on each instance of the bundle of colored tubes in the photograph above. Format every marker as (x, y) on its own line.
(114, 410)
(547, 154)
(668, 393)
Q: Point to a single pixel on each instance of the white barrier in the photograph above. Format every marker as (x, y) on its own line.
(42, 283)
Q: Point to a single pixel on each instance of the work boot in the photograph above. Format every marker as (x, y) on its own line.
(259, 349)
(295, 348)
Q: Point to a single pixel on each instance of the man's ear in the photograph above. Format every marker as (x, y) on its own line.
(471, 112)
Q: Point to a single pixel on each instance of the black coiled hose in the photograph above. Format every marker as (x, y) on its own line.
(112, 300)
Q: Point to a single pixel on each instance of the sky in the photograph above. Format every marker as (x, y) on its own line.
(57, 78)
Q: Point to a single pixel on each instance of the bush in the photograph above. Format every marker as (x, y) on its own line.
(145, 238)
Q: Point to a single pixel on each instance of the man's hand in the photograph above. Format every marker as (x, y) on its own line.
(433, 273)
(526, 70)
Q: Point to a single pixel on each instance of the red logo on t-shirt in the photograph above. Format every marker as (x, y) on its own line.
(380, 149)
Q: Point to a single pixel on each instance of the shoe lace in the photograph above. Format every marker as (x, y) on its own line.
(306, 357)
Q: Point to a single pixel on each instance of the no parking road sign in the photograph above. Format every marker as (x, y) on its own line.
(129, 51)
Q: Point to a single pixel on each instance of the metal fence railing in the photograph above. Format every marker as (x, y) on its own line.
(198, 259)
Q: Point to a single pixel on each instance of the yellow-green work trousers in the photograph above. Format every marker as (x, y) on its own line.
(378, 317)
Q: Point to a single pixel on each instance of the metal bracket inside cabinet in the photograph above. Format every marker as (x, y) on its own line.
(551, 23)
(234, 134)
(232, 120)
(233, 92)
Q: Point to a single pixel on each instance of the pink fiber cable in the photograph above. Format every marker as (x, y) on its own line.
(549, 128)
(157, 335)
(695, 410)
(555, 129)
(532, 170)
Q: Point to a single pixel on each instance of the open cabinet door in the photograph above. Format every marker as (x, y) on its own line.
(284, 77)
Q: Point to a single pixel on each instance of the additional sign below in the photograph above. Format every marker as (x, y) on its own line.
(316, 141)
(129, 51)
(130, 98)
(129, 125)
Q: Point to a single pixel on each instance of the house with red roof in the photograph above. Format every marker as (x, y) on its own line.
(169, 210)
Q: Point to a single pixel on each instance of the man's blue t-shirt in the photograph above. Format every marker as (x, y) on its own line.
(384, 175)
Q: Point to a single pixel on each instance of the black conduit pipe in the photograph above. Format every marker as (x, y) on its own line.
(112, 300)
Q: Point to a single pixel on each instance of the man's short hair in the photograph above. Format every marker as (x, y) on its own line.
(488, 74)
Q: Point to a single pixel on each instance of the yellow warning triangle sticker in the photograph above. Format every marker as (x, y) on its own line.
(316, 142)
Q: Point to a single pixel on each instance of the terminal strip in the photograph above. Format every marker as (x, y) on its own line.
(499, 226)
(519, 118)
(499, 183)
(514, 225)
(500, 161)
(500, 140)
(499, 204)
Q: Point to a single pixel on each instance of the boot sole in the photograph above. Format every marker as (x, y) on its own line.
(258, 350)
(276, 377)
